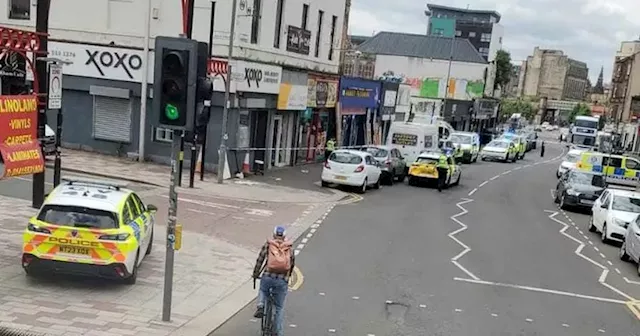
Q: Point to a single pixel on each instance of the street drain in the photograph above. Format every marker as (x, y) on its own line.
(15, 332)
(396, 312)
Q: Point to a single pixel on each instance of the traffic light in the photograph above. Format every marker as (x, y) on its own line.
(204, 90)
(175, 79)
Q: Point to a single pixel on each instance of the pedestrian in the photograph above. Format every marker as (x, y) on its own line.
(329, 148)
(542, 149)
(443, 170)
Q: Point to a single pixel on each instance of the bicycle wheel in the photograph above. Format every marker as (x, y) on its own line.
(267, 319)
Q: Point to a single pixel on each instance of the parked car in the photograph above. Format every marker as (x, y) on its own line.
(392, 163)
(352, 168)
(48, 143)
(613, 211)
(630, 249)
(578, 188)
(569, 161)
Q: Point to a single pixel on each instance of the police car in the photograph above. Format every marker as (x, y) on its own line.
(424, 169)
(89, 228)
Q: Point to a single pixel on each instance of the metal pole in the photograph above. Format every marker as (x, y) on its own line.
(203, 147)
(42, 26)
(57, 165)
(181, 158)
(176, 153)
(225, 111)
(193, 162)
(188, 33)
(144, 89)
(446, 93)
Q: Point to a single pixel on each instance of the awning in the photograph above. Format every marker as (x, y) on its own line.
(21, 159)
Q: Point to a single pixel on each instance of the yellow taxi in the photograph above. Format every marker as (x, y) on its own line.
(89, 228)
(424, 169)
(617, 169)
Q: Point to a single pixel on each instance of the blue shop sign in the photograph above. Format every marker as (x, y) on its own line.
(359, 93)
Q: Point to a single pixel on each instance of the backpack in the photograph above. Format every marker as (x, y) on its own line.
(278, 256)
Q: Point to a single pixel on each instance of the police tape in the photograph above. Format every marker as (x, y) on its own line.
(254, 149)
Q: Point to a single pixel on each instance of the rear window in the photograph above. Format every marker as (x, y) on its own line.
(77, 216)
(426, 160)
(571, 158)
(345, 158)
(377, 152)
(404, 139)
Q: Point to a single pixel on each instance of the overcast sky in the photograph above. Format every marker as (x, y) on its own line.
(586, 30)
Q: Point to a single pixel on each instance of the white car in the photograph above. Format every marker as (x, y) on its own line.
(352, 168)
(612, 213)
(630, 249)
(569, 161)
(500, 149)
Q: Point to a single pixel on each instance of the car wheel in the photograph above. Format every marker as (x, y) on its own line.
(150, 247)
(624, 256)
(131, 280)
(638, 268)
(401, 177)
(325, 184)
(484, 159)
(592, 228)
(475, 159)
(603, 237)
(363, 187)
(412, 181)
(458, 180)
(392, 177)
(377, 185)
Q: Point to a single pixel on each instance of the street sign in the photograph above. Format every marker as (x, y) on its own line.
(55, 86)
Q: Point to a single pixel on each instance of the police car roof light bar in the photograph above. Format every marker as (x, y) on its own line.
(93, 183)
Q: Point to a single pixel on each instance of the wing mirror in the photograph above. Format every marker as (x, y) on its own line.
(152, 208)
(604, 206)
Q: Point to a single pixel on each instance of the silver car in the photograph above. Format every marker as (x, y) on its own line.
(630, 249)
(392, 163)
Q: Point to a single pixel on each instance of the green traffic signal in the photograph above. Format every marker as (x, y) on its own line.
(171, 112)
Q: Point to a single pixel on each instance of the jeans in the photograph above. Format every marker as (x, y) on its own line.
(279, 289)
(442, 177)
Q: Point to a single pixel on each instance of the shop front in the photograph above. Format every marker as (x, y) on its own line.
(458, 114)
(388, 108)
(485, 113)
(292, 102)
(358, 109)
(318, 122)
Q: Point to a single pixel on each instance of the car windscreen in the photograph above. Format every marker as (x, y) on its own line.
(78, 216)
(571, 158)
(586, 179)
(460, 139)
(498, 144)
(426, 160)
(377, 152)
(625, 203)
(348, 158)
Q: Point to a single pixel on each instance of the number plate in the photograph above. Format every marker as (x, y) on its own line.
(340, 177)
(589, 202)
(74, 250)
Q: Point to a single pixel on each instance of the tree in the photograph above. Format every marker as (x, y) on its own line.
(511, 106)
(504, 68)
(579, 110)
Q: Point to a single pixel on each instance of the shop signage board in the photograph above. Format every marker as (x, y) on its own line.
(256, 77)
(292, 97)
(322, 92)
(19, 147)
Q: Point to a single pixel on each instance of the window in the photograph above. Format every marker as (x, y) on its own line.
(278, 33)
(163, 135)
(139, 203)
(345, 157)
(305, 16)
(438, 32)
(255, 21)
(485, 37)
(472, 34)
(500, 40)
(626, 204)
(484, 51)
(78, 216)
(632, 164)
(112, 119)
(133, 208)
(334, 22)
(458, 33)
(20, 9)
(319, 33)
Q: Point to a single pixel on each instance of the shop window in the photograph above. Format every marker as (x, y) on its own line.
(163, 135)
(20, 9)
(255, 20)
(472, 34)
(112, 119)
(485, 37)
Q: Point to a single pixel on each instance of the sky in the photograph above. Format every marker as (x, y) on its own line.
(586, 30)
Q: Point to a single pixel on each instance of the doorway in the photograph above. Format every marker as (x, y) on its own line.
(259, 123)
(278, 159)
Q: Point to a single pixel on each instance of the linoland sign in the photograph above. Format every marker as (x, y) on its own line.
(19, 146)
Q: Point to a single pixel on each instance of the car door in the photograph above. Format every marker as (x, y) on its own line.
(633, 240)
(398, 164)
(370, 168)
(597, 209)
(146, 217)
(137, 224)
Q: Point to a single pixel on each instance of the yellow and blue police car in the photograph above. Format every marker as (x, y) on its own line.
(89, 228)
(424, 169)
(617, 169)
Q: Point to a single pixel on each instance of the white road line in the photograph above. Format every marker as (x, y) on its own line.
(207, 204)
(526, 166)
(541, 290)
(603, 256)
(565, 325)
(300, 247)
(617, 271)
(517, 168)
(495, 177)
(463, 227)
(597, 249)
(483, 184)
(609, 262)
(313, 230)
(423, 306)
(506, 172)
(590, 243)
(309, 235)
(631, 281)
(296, 252)
(473, 191)
(305, 240)
(529, 320)
(553, 193)
(605, 271)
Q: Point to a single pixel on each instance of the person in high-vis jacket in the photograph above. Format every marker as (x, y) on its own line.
(329, 148)
(443, 170)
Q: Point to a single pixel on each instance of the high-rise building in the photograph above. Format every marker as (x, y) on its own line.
(480, 27)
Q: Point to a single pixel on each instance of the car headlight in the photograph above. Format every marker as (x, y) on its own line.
(572, 192)
(116, 237)
(620, 222)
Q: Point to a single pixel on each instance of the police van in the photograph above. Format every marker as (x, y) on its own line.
(617, 169)
(411, 139)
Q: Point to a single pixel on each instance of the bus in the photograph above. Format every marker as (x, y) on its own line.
(584, 131)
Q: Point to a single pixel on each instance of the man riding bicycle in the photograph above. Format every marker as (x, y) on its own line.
(278, 257)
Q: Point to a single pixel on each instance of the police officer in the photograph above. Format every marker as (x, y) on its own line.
(443, 169)
(329, 148)
(542, 149)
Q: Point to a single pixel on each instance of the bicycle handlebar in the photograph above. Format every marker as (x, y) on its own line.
(254, 282)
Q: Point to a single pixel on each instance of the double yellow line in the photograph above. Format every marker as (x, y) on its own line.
(297, 279)
(353, 198)
(634, 307)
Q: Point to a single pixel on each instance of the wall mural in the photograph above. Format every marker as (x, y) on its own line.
(462, 89)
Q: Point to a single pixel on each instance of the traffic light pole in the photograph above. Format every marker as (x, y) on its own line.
(225, 112)
(42, 26)
(176, 153)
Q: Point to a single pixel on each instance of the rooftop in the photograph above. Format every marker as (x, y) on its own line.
(422, 46)
(90, 194)
(435, 7)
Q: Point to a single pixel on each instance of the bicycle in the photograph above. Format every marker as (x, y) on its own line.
(267, 322)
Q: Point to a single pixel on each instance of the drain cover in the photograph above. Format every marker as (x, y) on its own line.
(16, 332)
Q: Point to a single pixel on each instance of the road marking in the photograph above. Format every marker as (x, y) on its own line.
(634, 307)
(601, 331)
(463, 227)
(300, 246)
(423, 306)
(458, 310)
(494, 315)
(553, 193)
(473, 191)
(630, 281)
(578, 252)
(529, 320)
(494, 178)
(541, 290)
(565, 325)
(506, 172)
(603, 256)
(355, 297)
(517, 168)
(305, 240)
(309, 235)
(590, 242)
(610, 263)
(207, 204)
(299, 279)
(313, 230)
(526, 166)
(321, 294)
(332, 331)
(617, 271)
(597, 249)
(483, 184)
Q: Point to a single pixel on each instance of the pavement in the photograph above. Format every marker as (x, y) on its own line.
(494, 256)
(223, 228)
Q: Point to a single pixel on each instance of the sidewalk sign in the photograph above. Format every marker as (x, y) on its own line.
(55, 86)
